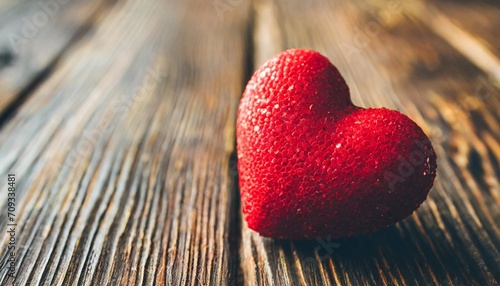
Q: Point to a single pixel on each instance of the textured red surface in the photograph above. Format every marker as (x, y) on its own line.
(311, 164)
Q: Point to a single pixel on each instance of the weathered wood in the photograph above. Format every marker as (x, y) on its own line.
(477, 20)
(393, 61)
(122, 154)
(34, 35)
(120, 131)
(466, 33)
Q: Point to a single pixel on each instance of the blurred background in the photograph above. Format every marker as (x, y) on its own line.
(117, 123)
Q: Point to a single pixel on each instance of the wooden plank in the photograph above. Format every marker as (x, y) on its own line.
(33, 37)
(474, 18)
(467, 26)
(464, 27)
(396, 62)
(122, 155)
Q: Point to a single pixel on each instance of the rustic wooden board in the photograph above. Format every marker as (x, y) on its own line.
(468, 29)
(122, 154)
(118, 121)
(33, 37)
(393, 61)
(476, 19)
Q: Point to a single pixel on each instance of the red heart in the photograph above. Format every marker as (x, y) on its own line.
(311, 164)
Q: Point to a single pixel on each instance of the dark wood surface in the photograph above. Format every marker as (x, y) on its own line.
(117, 118)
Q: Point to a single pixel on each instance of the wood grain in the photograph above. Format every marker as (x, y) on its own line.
(118, 120)
(34, 35)
(390, 60)
(474, 18)
(122, 155)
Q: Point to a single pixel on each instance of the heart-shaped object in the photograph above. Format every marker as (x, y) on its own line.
(311, 164)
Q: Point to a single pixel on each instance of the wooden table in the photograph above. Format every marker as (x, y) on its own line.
(117, 119)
